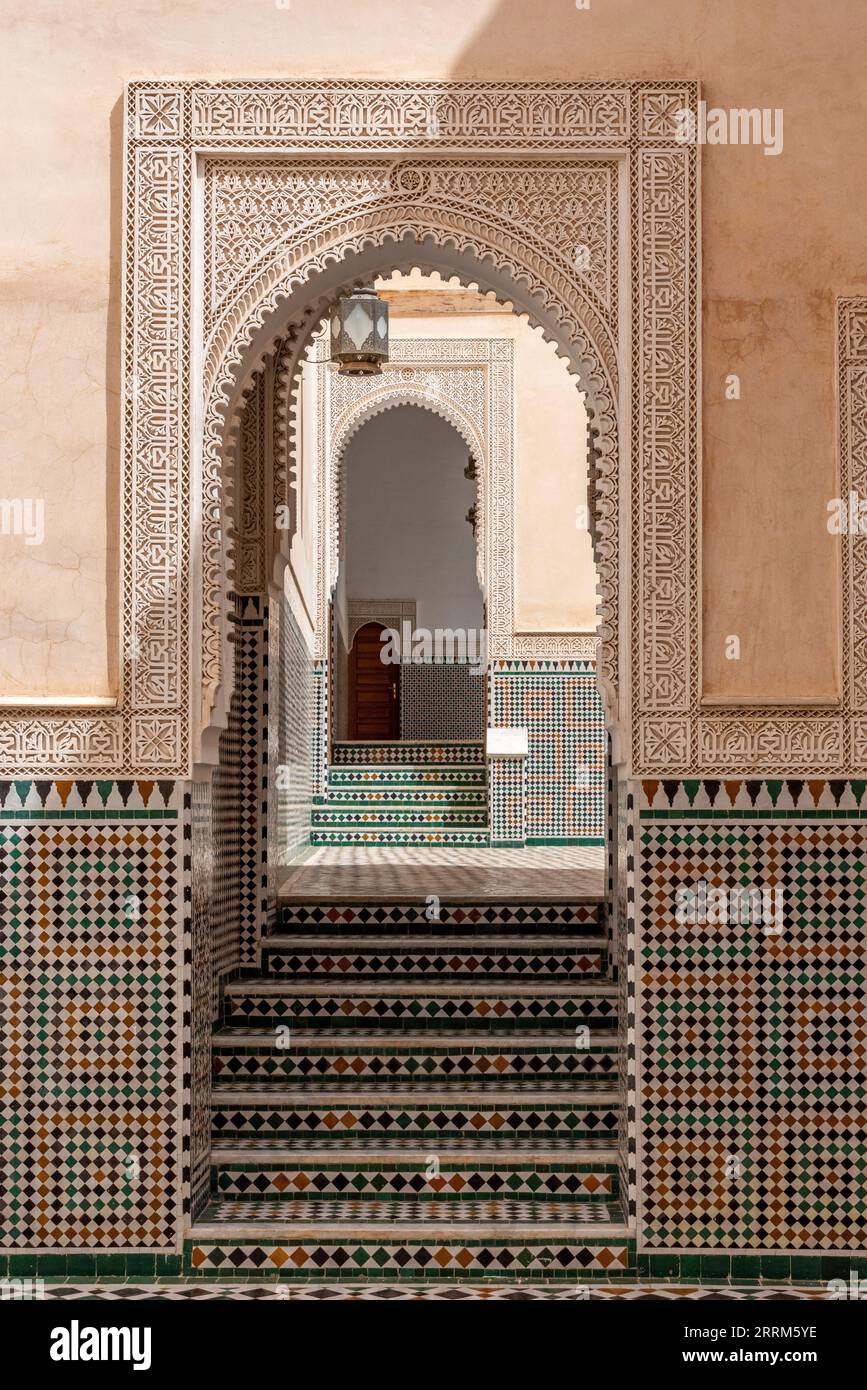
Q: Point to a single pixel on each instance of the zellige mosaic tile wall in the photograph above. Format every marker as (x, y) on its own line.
(441, 700)
(752, 1021)
(199, 829)
(93, 1000)
(559, 703)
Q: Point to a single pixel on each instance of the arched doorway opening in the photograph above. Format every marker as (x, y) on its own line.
(408, 553)
(289, 310)
(523, 461)
(527, 660)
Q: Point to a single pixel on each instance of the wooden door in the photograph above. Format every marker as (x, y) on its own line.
(374, 688)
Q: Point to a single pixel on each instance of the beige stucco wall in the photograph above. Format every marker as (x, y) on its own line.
(782, 236)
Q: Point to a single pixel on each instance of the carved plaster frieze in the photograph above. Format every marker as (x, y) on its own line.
(391, 612)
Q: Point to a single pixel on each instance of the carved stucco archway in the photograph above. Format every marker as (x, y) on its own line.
(597, 372)
(508, 185)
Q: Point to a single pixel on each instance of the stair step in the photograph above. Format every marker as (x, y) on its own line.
(358, 1172)
(433, 775)
(406, 795)
(499, 1147)
(409, 1211)
(397, 835)
(426, 752)
(340, 957)
(297, 912)
(359, 816)
(464, 1108)
(377, 1250)
(420, 1004)
(348, 1058)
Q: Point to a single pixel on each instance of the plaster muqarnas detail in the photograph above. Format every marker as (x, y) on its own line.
(751, 1035)
(92, 981)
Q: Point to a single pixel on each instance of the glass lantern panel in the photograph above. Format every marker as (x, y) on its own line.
(357, 325)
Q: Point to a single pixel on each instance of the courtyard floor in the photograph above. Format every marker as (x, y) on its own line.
(540, 873)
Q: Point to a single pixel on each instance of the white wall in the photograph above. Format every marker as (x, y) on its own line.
(406, 500)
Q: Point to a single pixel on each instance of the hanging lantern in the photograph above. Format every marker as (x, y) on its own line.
(359, 333)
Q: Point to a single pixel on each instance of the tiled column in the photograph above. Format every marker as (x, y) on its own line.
(507, 791)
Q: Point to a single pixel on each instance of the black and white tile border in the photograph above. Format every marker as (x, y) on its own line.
(197, 1290)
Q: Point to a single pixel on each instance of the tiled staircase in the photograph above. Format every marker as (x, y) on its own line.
(421, 793)
(396, 1097)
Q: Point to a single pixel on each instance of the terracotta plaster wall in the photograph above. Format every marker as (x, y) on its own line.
(782, 237)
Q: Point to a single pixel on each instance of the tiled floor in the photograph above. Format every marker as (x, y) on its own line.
(199, 1290)
(538, 872)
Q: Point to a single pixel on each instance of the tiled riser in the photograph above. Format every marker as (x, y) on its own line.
(237, 1181)
(420, 818)
(524, 965)
(440, 780)
(541, 1259)
(350, 1067)
(505, 917)
(428, 798)
(324, 1011)
(418, 754)
(562, 1122)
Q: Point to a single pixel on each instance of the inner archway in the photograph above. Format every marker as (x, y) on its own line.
(289, 306)
(408, 523)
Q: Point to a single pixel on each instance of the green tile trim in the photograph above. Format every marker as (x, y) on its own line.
(565, 840)
(714, 1267)
(124, 1264)
(11, 817)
